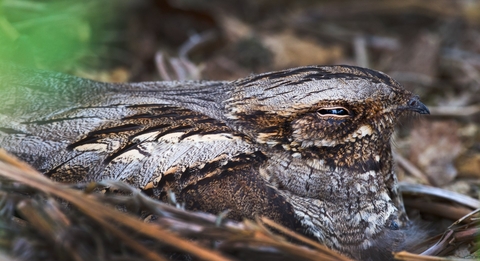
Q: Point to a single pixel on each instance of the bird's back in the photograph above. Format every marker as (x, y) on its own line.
(78, 130)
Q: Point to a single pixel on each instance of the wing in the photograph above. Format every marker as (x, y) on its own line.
(156, 136)
(75, 130)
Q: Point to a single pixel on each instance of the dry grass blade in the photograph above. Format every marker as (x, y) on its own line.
(211, 237)
(104, 214)
(440, 245)
(406, 256)
(244, 236)
(456, 240)
(330, 254)
(467, 216)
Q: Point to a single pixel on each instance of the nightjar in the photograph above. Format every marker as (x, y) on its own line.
(308, 147)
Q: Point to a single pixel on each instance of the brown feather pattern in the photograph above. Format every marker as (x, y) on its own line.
(308, 147)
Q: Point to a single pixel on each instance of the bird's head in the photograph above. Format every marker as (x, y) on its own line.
(327, 131)
(319, 107)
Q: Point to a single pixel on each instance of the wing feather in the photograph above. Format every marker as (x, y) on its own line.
(75, 130)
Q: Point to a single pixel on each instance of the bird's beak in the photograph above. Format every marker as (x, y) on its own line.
(415, 105)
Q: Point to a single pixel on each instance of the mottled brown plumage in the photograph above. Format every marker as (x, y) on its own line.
(308, 147)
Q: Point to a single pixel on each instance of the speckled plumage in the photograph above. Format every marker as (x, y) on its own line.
(308, 147)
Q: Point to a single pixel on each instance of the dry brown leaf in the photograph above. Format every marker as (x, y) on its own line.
(291, 50)
(434, 147)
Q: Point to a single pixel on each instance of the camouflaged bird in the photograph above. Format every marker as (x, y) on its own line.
(308, 147)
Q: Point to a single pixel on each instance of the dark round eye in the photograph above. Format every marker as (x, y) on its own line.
(333, 112)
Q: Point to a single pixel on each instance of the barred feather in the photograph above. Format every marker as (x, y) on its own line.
(308, 147)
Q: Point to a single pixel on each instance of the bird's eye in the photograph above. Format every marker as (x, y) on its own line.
(338, 111)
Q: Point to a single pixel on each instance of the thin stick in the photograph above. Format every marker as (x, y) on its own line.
(102, 213)
(465, 217)
(410, 168)
(406, 256)
(438, 192)
(301, 238)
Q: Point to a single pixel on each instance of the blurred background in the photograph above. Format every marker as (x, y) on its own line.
(431, 47)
